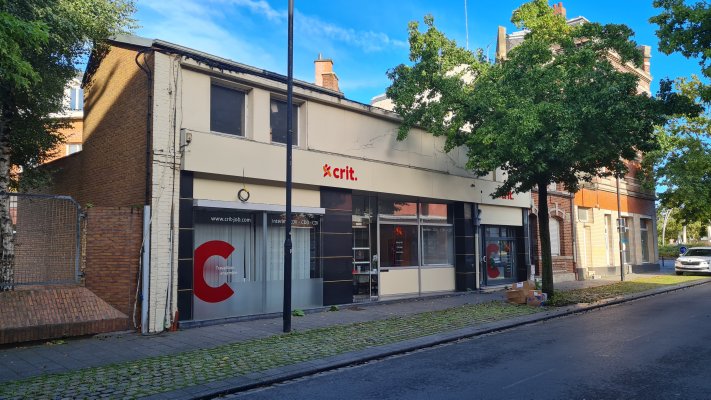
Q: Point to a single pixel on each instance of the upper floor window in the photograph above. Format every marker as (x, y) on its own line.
(76, 98)
(73, 148)
(278, 124)
(226, 110)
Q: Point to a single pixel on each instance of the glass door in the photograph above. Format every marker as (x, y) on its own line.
(499, 256)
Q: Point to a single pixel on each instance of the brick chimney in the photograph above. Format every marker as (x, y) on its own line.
(324, 75)
(647, 54)
(558, 9)
(501, 49)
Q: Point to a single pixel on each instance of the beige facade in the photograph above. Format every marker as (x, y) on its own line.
(341, 147)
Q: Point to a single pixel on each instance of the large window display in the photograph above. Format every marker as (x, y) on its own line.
(238, 263)
(416, 247)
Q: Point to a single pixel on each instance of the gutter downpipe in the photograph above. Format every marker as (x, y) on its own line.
(146, 251)
(146, 267)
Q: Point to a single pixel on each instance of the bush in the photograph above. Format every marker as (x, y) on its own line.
(672, 250)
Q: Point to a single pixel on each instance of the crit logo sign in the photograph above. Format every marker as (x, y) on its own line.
(346, 173)
(202, 290)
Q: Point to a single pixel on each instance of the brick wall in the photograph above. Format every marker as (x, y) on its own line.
(559, 207)
(113, 250)
(110, 169)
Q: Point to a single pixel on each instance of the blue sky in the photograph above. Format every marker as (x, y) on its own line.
(364, 38)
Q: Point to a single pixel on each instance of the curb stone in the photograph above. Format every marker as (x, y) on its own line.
(295, 371)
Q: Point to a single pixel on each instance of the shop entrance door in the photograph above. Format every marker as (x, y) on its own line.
(365, 273)
(499, 260)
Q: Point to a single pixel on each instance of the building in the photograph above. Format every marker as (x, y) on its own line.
(199, 140)
(584, 237)
(73, 103)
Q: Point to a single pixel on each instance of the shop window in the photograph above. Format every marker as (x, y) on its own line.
(554, 229)
(437, 245)
(242, 261)
(278, 123)
(398, 246)
(395, 209)
(227, 109)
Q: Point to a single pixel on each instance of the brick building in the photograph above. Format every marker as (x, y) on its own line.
(584, 237)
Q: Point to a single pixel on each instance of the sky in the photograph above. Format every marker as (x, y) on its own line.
(365, 38)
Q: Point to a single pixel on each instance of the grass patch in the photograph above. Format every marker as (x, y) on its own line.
(593, 294)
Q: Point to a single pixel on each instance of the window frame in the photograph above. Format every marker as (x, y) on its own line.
(297, 123)
(244, 91)
(557, 237)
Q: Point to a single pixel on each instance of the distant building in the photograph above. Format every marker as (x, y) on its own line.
(583, 227)
(73, 112)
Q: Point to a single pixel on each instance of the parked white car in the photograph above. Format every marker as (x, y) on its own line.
(696, 259)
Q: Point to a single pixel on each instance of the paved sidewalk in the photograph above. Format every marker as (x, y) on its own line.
(35, 360)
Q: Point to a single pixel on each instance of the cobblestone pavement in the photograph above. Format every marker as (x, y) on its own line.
(130, 365)
(153, 375)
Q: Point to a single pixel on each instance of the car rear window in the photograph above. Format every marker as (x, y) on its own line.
(698, 253)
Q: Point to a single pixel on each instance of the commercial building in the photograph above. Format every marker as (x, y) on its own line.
(200, 140)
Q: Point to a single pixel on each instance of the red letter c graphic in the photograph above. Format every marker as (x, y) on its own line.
(202, 290)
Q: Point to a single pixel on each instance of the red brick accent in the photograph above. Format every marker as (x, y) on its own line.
(55, 311)
(565, 261)
(113, 251)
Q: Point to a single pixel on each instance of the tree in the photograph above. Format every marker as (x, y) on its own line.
(41, 41)
(686, 29)
(555, 110)
(682, 164)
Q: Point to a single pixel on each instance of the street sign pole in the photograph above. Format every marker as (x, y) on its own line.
(289, 126)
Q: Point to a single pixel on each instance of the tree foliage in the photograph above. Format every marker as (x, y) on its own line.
(555, 109)
(40, 43)
(686, 28)
(682, 165)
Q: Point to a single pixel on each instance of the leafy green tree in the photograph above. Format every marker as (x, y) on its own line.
(686, 28)
(41, 41)
(554, 110)
(682, 164)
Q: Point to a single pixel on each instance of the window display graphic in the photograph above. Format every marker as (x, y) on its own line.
(202, 290)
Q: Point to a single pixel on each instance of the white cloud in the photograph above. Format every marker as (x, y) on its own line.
(368, 41)
(198, 25)
(260, 7)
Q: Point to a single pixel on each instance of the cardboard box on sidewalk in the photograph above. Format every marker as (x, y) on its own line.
(536, 298)
(520, 291)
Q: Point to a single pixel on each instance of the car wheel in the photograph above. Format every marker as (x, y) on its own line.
(679, 272)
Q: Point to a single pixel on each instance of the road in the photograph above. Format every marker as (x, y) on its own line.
(654, 348)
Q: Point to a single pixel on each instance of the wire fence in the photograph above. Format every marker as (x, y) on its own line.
(46, 238)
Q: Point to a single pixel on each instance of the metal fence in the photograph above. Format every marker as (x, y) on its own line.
(47, 233)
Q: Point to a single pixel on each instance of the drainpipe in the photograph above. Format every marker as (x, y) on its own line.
(145, 257)
(574, 235)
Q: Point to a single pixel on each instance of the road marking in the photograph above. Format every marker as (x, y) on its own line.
(528, 379)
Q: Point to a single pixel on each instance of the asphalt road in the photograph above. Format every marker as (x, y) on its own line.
(654, 348)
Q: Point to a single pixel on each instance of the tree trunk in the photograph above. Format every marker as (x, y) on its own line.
(545, 236)
(7, 273)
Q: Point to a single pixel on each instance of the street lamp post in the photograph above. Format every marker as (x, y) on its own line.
(289, 127)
